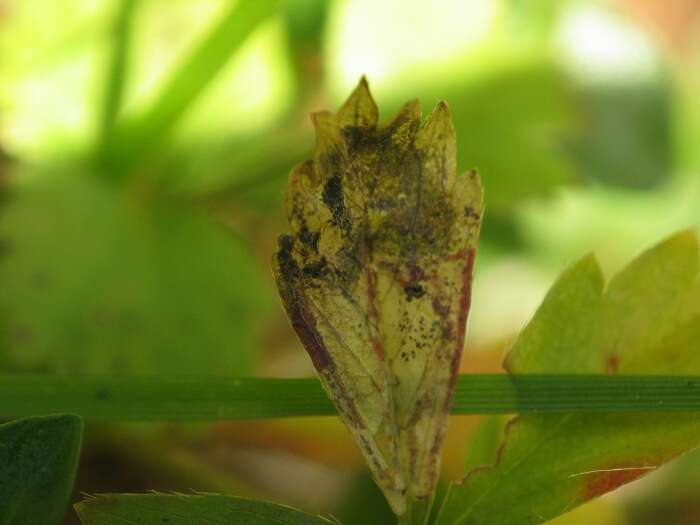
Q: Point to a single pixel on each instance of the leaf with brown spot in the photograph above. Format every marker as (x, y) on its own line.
(376, 277)
(647, 321)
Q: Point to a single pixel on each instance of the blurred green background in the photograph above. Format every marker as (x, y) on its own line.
(144, 147)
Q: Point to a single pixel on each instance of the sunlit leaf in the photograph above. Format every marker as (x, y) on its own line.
(376, 280)
(38, 458)
(205, 509)
(645, 320)
(483, 442)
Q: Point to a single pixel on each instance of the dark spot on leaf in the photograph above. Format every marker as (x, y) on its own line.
(612, 363)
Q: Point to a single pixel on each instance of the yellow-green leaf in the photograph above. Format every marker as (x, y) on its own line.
(646, 320)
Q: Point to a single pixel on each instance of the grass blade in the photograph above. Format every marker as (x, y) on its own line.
(136, 136)
(210, 399)
(115, 78)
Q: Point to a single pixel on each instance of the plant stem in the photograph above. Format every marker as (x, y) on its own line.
(116, 76)
(139, 398)
(417, 513)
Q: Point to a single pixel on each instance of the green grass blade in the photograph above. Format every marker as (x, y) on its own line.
(115, 78)
(136, 136)
(210, 399)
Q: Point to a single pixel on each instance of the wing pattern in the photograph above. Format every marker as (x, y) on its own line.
(376, 277)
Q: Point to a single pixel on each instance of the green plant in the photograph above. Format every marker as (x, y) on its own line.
(604, 379)
(595, 414)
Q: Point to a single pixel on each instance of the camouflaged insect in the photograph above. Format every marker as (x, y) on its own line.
(376, 278)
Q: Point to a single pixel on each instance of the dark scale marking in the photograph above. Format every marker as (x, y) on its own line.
(357, 139)
(285, 260)
(471, 213)
(308, 237)
(316, 269)
(333, 198)
(464, 304)
(305, 327)
(413, 291)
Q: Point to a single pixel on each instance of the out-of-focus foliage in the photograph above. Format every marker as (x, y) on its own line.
(96, 280)
(643, 322)
(625, 134)
(673, 500)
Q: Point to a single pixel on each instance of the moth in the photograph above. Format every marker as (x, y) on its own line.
(376, 276)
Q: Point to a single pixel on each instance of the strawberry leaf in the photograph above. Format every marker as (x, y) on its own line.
(646, 320)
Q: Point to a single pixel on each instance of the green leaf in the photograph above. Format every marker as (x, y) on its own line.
(517, 110)
(646, 320)
(374, 509)
(483, 442)
(134, 137)
(38, 459)
(523, 107)
(205, 509)
(98, 280)
(627, 138)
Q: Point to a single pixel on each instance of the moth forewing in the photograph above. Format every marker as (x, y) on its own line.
(375, 277)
